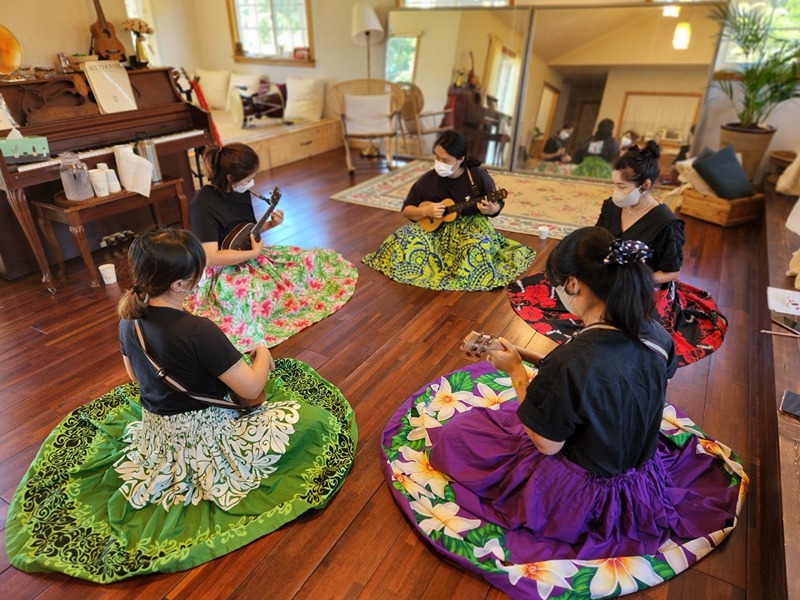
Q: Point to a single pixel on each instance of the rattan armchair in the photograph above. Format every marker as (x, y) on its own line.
(368, 109)
(416, 124)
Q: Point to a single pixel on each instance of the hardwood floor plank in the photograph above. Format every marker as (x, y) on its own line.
(59, 352)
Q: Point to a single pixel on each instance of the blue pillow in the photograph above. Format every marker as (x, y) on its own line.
(723, 173)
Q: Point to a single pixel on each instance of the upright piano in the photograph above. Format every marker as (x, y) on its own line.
(63, 110)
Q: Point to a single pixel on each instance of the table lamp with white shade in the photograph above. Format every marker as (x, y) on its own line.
(366, 31)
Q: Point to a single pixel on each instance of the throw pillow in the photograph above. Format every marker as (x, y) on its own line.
(724, 174)
(688, 174)
(246, 82)
(368, 114)
(304, 99)
(215, 86)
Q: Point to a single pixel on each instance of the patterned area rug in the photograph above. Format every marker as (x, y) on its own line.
(533, 200)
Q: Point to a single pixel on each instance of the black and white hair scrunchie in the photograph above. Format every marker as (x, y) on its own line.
(625, 252)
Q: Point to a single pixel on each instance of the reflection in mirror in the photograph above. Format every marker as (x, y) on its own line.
(467, 76)
(622, 63)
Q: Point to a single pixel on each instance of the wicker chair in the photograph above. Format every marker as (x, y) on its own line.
(414, 122)
(367, 119)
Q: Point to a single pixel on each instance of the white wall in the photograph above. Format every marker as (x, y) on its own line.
(195, 33)
(44, 28)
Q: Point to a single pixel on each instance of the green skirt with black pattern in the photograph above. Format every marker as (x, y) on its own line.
(467, 254)
(116, 491)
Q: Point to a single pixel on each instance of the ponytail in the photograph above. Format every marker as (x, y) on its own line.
(614, 270)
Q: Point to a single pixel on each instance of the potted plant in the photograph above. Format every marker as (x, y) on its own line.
(767, 75)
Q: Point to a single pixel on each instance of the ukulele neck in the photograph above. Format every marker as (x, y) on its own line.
(100, 16)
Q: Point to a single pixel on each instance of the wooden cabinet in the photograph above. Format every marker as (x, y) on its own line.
(304, 142)
(284, 144)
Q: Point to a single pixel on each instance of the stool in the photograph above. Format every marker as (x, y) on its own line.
(75, 213)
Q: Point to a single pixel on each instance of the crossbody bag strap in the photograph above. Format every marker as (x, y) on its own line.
(173, 383)
(473, 186)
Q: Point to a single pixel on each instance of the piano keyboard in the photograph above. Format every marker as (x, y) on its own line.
(109, 150)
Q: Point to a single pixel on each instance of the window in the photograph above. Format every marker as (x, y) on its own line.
(272, 31)
(452, 3)
(401, 58)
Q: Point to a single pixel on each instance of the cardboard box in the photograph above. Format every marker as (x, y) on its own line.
(720, 211)
(24, 150)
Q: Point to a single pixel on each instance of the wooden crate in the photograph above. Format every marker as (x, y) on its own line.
(720, 211)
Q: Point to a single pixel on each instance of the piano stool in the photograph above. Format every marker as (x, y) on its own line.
(75, 213)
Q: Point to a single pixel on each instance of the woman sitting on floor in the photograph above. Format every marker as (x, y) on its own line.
(688, 313)
(122, 488)
(595, 156)
(267, 293)
(590, 482)
(462, 254)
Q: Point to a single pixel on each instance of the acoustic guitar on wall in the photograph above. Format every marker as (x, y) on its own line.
(453, 209)
(238, 238)
(105, 42)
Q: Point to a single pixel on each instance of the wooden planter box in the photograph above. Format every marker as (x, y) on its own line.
(720, 211)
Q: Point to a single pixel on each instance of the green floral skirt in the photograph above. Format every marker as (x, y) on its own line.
(593, 166)
(272, 297)
(116, 491)
(465, 254)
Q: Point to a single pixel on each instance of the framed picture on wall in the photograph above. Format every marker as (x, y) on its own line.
(301, 53)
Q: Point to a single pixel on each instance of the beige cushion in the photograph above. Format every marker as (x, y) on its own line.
(687, 174)
(215, 86)
(304, 99)
(247, 81)
(367, 114)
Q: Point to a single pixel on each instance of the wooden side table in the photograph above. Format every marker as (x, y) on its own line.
(75, 213)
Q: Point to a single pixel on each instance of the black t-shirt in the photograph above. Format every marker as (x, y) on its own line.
(660, 229)
(192, 350)
(607, 149)
(552, 144)
(602, 393)
(432, 188)
(213, 214)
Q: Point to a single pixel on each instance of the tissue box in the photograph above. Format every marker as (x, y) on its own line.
(24, 150)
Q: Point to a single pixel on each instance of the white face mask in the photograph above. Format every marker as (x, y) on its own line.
(623, 199)
(243, 187)
(564, 135)
(443, 169)
(625, 142)
(566, 299)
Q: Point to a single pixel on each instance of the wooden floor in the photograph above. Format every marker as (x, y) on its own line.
(59, 352)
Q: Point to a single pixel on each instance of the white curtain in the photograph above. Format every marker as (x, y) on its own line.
(647, 114)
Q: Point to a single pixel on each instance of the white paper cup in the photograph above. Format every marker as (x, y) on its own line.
(544, 231)
(99, 182)
(113, 183)
(108, 273)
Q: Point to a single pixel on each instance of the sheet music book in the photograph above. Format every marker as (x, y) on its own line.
(783, 301)
(111, 86)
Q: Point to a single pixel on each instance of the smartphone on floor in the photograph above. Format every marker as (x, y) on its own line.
(790, 404)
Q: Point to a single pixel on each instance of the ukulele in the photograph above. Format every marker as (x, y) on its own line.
(105, 42)
(452, 209)
(238, 238)
(477, 344)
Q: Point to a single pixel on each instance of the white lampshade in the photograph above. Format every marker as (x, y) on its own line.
(683, 33)
(366, 26)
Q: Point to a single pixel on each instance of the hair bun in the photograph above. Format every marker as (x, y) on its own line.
(652, 148)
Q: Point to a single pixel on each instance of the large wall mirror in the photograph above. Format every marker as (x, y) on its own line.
(636, 65)
(646, 68)
(468, 75)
